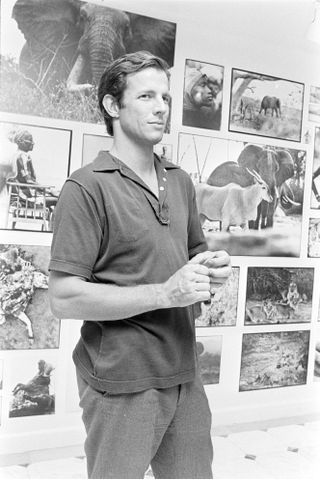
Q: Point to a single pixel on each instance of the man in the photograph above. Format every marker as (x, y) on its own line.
(199, 108)
(126, 226)
(26, 173)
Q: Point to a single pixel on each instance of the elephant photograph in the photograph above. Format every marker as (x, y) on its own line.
(265, 105)
(56, 51)
(249, 196)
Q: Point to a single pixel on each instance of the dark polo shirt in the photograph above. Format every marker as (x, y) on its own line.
(110, 228)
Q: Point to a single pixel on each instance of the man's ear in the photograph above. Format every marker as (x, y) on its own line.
(111, 105)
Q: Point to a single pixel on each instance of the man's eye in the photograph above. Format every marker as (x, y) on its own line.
(166, 99)
(145, 96)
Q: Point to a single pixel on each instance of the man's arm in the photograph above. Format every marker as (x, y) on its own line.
(74, 297)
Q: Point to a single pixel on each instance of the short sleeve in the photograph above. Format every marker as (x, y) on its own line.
(196, 239)
(77, 232)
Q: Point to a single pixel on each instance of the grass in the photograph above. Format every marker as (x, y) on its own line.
(20, 96)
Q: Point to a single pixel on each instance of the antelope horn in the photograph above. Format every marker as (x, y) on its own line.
(255, 175)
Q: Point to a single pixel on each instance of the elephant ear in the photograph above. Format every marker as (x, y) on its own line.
(33, 16)
(286, 167)
(249, 156)
(154, 35)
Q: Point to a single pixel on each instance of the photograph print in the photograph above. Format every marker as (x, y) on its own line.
(316, 374)
(314, 104)
(26, 321)
(222, 308)
(32, 387)
(33, 167)
(279, 295)
(314, 238)
(315, 184)
(202, 95)
(209, 355)
(52, 58)
(265, 105)
(249, 196)
(272, 360)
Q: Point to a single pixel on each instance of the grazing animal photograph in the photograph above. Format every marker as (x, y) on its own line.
(26, 321)
(279, 295)
(249, 196)
(36, 396)
(265, 105)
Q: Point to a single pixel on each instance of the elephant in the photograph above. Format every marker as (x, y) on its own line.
(270, 102)
(274, 167)
(73, 41)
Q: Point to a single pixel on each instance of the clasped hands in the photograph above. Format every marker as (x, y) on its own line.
(198, 279)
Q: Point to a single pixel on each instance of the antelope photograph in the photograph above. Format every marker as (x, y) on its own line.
(249, 196)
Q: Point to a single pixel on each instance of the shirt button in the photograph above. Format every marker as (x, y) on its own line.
(161, 188)
(164, 179)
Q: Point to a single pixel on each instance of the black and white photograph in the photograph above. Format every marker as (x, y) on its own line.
(202, 95)
(272, 360)
(92, 144)
(315, 185)
(26, 321)
(32, 387)
(33, 167)
(314, 238)
(249, 196)
(53, 58)
(209, 349)
(221, 310)
(314, 104)
(279, 295)
(316, 374)
(164, 151)
(265, 105)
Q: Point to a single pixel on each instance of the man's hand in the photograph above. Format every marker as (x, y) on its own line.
(219, 266)
(188, 285)
(197, 279)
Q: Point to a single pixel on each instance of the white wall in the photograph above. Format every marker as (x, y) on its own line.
(261, 36)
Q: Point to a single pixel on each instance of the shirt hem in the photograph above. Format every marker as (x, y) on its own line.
(132, 386)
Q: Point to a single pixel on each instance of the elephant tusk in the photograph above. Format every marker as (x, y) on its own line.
(75, 75)
(288, 200)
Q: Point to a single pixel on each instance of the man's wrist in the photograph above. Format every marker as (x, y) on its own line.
(161, 298)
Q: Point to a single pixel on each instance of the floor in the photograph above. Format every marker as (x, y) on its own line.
(284, 452)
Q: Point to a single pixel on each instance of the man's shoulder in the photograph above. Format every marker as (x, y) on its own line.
(86, 174)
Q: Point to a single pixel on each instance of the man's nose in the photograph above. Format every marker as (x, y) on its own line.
(161, 106)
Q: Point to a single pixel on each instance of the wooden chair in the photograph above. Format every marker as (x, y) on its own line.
(27, 204)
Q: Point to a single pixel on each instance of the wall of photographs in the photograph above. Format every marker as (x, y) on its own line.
(238, 103)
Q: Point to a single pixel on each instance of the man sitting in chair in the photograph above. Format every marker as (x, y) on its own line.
(25, 169)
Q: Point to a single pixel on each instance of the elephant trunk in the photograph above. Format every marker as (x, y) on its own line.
(105, 36)
(103, 47)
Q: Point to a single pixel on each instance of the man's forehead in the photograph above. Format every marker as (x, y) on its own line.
(147, 75)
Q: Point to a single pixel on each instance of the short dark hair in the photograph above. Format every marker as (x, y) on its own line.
(114, 79)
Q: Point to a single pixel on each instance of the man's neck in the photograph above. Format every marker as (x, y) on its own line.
(138, 157)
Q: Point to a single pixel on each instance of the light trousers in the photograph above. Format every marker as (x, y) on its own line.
(167, 428)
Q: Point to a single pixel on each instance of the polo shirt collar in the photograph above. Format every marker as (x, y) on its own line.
(106, 162)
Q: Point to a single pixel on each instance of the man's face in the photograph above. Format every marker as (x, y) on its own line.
(145, 106)
(201, 93)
